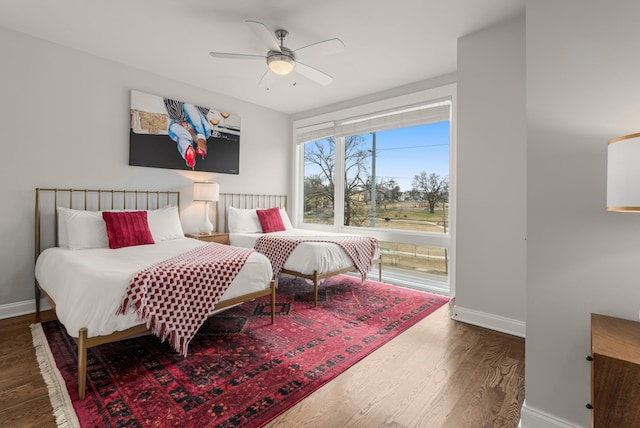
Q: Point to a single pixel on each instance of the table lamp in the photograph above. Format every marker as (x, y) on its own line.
(207, 192)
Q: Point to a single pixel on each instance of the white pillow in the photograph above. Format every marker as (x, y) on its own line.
(285, 219)
(86, 229)
(242, 221)
(164, 224)
(63, 236)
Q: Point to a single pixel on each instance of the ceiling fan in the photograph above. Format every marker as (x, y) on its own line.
(281, 60)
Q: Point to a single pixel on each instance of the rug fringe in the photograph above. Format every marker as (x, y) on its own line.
(63, 410)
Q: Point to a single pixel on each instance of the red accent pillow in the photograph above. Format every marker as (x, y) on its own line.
(126, 229)
(270, 220)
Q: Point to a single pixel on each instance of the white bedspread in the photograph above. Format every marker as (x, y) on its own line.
(88, 285)
(307, 256)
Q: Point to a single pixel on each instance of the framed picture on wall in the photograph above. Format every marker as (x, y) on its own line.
(168, 133)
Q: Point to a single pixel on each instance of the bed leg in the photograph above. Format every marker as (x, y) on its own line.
(37, 302)
(315, 288)
(273, 301)
(82, 362)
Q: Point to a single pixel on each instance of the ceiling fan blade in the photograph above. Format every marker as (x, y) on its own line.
(235, 55)
(313, 74)
(326, 47)
(264, 34)
(267, 80)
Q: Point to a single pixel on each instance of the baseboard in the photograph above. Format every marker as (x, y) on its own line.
(490, 321)
(534, 418)
(22, 308)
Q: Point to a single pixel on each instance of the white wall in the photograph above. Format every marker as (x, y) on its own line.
(583, 83)
(491, 177)
(64, 122)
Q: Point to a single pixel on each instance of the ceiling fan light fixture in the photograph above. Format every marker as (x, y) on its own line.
(280, 63)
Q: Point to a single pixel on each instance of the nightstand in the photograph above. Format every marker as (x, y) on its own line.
(219, 237)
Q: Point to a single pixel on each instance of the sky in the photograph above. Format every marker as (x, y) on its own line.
(405, 152)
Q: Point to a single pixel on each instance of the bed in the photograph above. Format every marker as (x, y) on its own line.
(85, 280)
(312, 259)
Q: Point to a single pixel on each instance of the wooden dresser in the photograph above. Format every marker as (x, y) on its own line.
(615, 372)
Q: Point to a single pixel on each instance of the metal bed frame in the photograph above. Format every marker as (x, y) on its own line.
(86, 199)
(258, 201)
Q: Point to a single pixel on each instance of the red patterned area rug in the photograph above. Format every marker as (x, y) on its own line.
(241, 371)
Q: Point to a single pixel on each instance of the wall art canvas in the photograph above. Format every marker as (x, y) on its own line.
(168, 133)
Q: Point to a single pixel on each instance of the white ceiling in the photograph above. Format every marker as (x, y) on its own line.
(388, 43)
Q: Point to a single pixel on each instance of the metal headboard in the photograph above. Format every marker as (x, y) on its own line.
(247, 201)
(47, 200)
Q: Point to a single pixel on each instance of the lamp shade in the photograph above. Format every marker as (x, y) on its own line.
(205, 191)
(623, 173)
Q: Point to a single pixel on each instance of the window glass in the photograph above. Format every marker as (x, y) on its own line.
(410, 264)
(319, 174)
(398, 178)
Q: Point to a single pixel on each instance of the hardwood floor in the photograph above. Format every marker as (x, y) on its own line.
(439, 373)
(24, 400)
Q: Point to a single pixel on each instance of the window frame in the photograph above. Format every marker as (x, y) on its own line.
(431, 239)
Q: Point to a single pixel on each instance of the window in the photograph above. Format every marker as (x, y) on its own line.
(390, 168)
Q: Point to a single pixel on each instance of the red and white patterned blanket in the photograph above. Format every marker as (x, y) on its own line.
(175, 296)
(361, 249)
